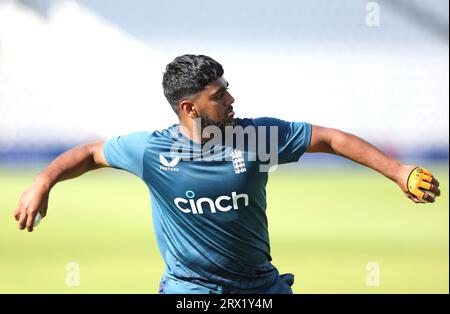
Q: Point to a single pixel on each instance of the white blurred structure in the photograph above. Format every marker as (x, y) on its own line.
(73, 76)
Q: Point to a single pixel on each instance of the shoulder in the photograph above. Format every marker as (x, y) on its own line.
(147, 136)
(163, 136)
(261, 121)
(135, 138)
(139, 135)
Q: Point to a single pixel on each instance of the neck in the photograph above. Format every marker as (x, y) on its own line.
(193, 130)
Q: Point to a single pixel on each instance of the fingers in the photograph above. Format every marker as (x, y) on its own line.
(413, 198)
(427, 178)
(26, 216)
(429, 197)
(426, 172)
(33, 201)
(30, 221)
(422, 186)
(430, 190)
(23, 220)
(435, 190)
(17, 213)
(434, 181)
(431, 184)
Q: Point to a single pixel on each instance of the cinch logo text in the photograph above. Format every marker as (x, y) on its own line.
(222, 203)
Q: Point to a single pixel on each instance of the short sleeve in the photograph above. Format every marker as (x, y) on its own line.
(293, 137)
(127, 152)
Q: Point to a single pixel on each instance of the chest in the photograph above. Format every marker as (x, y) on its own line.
(228, 171)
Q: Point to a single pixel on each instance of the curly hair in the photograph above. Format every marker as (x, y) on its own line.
(188, 75)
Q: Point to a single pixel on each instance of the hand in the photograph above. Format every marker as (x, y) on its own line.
(426, 188)
(32, 201)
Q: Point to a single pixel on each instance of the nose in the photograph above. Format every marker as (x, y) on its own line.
(230, 100)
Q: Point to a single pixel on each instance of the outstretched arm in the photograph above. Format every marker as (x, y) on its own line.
(70, 164)
(327, 140)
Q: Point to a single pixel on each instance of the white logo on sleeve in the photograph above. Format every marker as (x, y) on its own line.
(238, 162)
(222, 203)
(168, 166)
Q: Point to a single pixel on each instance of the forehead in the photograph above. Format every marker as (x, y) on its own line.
(217, 84)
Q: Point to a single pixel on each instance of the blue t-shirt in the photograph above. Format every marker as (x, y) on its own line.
(209, 215)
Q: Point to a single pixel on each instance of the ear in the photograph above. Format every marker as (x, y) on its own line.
(187, 108)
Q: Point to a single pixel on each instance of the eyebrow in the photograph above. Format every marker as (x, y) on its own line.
(220, 90)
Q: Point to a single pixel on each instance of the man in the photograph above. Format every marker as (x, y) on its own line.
(208, 200)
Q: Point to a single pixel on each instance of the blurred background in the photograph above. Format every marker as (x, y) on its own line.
(73, 72)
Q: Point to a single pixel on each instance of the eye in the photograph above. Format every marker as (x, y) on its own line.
(220, 95)
(223, 93)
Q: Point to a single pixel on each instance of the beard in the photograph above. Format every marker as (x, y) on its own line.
(207, 121)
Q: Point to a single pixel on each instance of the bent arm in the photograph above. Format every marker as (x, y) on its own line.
(74, 163)
(333, 141)
(70, 164)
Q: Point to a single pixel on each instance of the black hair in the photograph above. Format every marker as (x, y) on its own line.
(188, 75)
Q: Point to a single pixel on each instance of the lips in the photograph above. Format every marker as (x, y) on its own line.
(230, 114)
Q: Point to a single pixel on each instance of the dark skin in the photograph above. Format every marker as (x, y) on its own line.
(215, 101)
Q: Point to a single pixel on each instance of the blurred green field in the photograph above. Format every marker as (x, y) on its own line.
(325, 227)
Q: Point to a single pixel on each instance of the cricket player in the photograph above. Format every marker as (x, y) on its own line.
(208, 194)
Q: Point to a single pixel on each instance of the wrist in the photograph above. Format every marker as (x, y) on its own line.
(403, 173)
(44, 180)
(394, 171)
